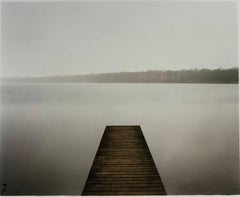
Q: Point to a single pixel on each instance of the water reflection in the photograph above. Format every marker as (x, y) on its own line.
(50, 134)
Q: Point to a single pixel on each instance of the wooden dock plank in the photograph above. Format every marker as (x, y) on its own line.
(123, 165)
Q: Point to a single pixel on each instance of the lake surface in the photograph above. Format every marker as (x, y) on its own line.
(50, 133)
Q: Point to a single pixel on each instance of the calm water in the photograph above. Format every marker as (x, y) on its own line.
(50, 134)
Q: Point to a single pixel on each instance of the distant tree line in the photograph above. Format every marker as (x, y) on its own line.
(153, 76)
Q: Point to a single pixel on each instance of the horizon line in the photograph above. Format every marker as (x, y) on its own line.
(63, 75)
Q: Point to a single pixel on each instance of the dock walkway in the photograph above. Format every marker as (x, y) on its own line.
(123, 165)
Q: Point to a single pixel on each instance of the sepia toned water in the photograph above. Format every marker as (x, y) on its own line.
(50, 133)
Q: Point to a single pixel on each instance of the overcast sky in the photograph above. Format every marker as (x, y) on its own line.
(57, 38)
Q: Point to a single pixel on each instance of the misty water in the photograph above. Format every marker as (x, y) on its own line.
(50, 133)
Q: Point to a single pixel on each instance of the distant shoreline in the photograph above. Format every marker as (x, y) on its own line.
(204, 76)
(69, 82)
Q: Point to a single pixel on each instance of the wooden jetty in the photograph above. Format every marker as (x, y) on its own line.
(123, 165)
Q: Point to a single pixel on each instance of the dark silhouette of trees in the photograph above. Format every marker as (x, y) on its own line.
(152, 76)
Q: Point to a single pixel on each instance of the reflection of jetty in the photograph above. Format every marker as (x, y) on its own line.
(123, 165)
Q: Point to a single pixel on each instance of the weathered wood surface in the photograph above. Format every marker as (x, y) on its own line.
(123, 165)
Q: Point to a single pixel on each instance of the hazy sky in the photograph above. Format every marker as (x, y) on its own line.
(56, 38)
